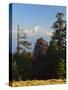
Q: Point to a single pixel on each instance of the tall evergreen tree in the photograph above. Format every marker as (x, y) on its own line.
(38, 59)
(59, 35)
(22, 43)
(57, 47)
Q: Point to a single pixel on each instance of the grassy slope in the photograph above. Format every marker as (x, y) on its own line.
(36, 82)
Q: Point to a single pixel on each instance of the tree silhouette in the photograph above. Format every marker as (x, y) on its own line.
(40, 49)
(22, 43)
(59, 35)
(57, 47)
(38, 59)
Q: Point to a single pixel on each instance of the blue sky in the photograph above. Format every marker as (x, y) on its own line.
(36, 20)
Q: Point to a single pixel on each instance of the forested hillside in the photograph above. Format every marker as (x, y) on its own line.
(47, 61)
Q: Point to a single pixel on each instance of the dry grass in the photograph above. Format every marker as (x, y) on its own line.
(36, 82)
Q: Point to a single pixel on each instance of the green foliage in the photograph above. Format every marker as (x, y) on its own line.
(59, 35)
(26, 44)
(22, 66)
(57, 48)
(22, 43)
(14, 70)
(61, 69)
(43, 65)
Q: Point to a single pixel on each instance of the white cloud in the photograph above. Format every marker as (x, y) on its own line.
(47, 33)
(33, 31)
(36, 28)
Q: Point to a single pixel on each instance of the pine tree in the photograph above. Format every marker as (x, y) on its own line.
(39, 54)
(22, 43)
(59, 35)
(57, 47)
(61, 69)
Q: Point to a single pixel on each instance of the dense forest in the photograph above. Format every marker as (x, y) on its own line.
(47, 61)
